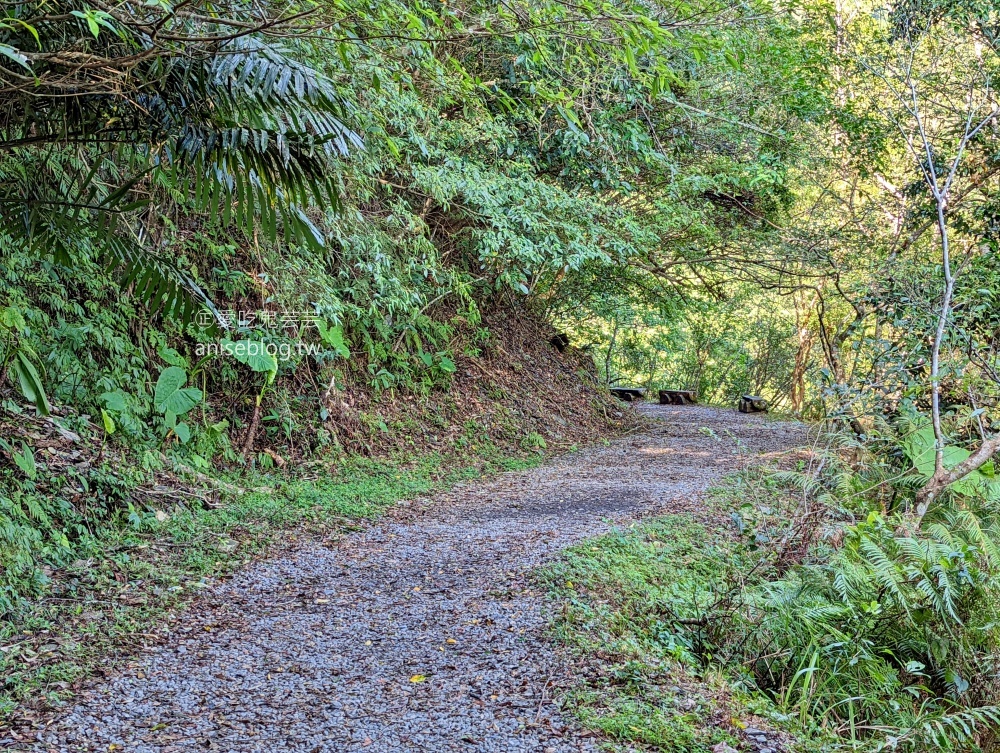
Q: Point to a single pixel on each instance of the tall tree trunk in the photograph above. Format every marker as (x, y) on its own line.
(803, 315)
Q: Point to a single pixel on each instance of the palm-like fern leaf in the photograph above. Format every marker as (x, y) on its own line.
(237, 128)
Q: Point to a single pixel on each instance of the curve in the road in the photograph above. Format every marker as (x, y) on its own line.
(423, 633)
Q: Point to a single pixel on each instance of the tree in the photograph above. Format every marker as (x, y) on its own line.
(937, 91)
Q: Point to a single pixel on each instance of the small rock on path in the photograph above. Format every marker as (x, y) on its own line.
(422, 633)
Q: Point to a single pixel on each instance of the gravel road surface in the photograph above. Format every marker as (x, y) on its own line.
(423, 632)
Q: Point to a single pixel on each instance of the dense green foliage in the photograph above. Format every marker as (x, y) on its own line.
(230, 234)
(366, 181)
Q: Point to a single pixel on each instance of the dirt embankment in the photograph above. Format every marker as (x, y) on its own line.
(524, 388)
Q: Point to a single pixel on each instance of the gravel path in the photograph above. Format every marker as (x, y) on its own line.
(422, 633)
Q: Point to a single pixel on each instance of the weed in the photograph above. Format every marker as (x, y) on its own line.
(533, 441)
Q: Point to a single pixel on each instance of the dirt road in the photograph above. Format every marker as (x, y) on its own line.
(422, 633)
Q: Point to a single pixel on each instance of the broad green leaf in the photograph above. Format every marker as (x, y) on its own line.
(11, 318)
(333, 337)
(30, 382)
(630, 59)
(172, 357)
(919, 447)
(114, 401)
(14, 54)
(171, 394)
(91, 20)
(25, 460)
(109, 423)
(253, 353)
(183, 432)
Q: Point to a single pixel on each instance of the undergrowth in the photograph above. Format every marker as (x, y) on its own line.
(119, 479)
(813, 594)
(618, 593)
(128, 402)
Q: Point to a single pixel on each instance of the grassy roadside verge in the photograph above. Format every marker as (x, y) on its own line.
(618, 600)
(802, 600)
(133, 581)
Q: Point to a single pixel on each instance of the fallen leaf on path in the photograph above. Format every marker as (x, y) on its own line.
(417, 678)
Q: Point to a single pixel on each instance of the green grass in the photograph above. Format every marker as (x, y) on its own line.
(649, 717)
(620, 599)
(135, 575)
(617, 594)
(619, 590)
(685, 621)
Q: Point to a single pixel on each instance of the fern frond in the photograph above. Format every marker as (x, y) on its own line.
(158, 283)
